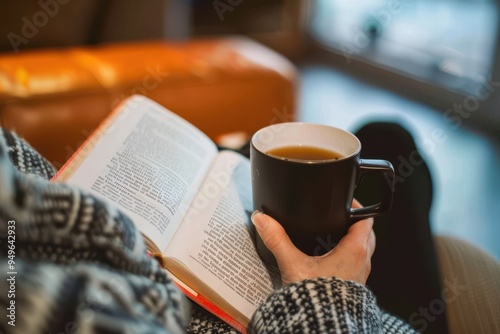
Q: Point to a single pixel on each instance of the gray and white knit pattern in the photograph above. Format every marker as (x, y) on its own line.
(81, 263)
(325, 305)
(82, 267)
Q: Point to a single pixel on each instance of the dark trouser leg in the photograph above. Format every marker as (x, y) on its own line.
(405, 274)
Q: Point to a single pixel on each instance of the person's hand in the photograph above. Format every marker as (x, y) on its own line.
(349, 260)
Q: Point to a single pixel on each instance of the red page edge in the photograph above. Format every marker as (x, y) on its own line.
(212, 308)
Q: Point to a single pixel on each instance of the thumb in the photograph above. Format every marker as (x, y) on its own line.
(275, 238)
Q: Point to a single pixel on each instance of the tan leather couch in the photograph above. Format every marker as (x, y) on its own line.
(56, 98)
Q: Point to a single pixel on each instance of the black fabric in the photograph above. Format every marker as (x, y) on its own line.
(404, 276)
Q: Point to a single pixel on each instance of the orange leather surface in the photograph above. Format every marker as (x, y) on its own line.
(56, 98)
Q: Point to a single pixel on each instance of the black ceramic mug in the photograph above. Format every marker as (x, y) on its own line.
(312, 198)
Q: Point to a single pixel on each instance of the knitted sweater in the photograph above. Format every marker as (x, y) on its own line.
(77, 264)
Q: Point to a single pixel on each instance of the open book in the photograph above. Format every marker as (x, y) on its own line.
(191, 202)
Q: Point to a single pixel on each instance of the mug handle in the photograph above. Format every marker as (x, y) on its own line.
(375, 166)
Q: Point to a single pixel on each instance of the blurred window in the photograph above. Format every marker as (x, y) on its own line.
(448, 42)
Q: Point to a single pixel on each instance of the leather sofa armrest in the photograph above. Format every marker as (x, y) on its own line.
(56, 98)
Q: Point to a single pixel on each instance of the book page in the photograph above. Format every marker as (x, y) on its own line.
(214, 240)
(150, 162)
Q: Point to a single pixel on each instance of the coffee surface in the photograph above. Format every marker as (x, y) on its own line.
(309, 153)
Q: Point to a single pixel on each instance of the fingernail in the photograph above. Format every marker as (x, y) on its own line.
(259, 220)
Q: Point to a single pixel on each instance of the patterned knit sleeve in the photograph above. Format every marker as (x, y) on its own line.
(79, 263)
(25, 158)
(324, 305)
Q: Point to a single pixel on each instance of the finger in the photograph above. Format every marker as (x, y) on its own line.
(363, 230)
(372, 242)
(356, 204)
(356, 244)
(275, 238)
(360, 231)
